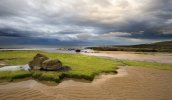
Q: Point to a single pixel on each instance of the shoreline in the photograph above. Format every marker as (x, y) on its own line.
(97, 77)
(62, 78)
(100, 77)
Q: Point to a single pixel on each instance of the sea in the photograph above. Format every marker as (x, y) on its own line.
(47, 48)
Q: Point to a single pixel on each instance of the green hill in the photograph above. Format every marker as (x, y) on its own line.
(169, 43)
(164, 46)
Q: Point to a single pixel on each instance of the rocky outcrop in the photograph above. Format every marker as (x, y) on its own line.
(52, 64)
(42, 62)
(36, 63)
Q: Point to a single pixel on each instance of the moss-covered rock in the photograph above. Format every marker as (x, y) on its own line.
(36, 63)
(52, 64)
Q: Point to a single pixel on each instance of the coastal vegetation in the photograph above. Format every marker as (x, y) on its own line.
(82, 66)
(165, 46)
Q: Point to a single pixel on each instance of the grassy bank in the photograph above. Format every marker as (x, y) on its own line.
(13, 75)
(82, 66)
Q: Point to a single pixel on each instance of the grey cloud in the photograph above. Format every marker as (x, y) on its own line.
(10, 8)
(86, 19)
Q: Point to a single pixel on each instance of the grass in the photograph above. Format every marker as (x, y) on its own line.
(46, 76)
(82, 66)
(13, 75)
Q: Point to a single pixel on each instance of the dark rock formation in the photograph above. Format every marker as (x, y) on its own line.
(41, 62)
(77, 50)
(36, 63)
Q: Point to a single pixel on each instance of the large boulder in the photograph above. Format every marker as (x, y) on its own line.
(36, 63)
(42, 62)
(52, 65)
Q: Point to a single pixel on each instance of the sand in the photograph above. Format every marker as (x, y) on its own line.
(149, 57)
(131, 83)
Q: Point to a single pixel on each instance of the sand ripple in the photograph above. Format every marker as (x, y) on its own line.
(131, 83)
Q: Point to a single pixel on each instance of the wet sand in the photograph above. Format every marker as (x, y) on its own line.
(131, 83)
(122, 55)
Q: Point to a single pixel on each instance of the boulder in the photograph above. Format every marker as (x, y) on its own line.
(42, 62)
(52, 64)
(36, 63)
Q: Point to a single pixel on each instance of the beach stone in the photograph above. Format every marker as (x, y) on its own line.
(52, 64)
(36, 63)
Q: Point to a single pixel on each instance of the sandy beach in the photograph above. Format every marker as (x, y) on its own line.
(122, 55)
(131, 83)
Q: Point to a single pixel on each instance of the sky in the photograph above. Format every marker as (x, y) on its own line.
(84, 22)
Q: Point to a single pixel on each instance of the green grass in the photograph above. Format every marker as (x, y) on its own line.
(46, 76)
(13, 75)
(82, 66)
(19, 57)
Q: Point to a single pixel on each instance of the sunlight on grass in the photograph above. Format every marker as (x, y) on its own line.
(82, 66)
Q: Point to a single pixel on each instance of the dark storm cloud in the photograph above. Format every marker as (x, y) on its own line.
(89, 20)
(36, 41)
(11, 33)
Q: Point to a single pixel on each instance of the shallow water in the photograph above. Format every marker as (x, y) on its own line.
(15, 68)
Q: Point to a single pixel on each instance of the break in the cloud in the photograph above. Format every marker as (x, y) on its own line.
(85, 21)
